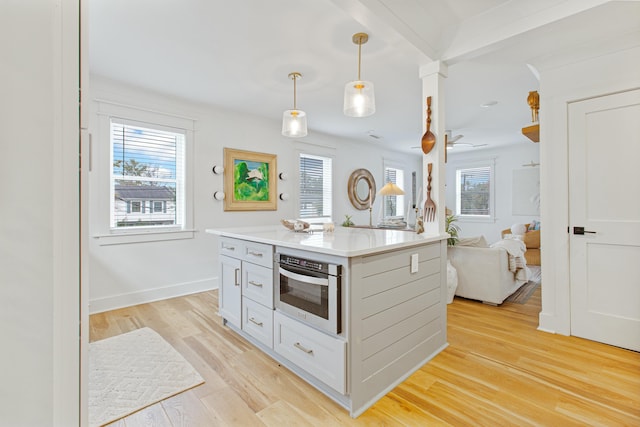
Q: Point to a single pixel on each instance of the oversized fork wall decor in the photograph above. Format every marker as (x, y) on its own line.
(429, 204)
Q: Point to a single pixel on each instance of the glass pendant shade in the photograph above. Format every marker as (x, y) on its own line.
(359, 99)
(294, 123)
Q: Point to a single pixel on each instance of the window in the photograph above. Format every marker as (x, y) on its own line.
(159, 206)
(474, 192)
(394, 205)
(133, 207)
(141, 179)
(147, 179)
(315, 188)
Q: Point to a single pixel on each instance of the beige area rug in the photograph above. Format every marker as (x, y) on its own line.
(131, 371)
(525, 291)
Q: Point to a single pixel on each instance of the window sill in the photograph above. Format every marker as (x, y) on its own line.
(143, 237)
(471, 218)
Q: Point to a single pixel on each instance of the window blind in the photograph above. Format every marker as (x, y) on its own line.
(393, 205)
(474, 191)
(315, 187)
(390, 204)
(147, 176)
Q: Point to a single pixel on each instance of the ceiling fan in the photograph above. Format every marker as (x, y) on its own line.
(452, 141)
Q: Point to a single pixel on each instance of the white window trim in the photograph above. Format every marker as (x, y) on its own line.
(491, 218)
(322, 151)
(101, 171)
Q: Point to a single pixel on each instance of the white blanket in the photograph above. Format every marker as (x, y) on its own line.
(517, 263)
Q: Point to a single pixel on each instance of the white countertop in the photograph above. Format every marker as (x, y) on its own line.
(344, 241)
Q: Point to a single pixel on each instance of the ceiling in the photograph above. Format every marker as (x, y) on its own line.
(238, 54)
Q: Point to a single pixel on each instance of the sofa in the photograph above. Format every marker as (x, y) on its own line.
(531, 240)
(483, 272)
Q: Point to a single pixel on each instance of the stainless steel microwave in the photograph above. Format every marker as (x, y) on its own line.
(310, 291)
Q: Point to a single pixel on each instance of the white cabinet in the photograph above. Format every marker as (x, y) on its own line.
(231, 247)
(257, 321)
(393, 306)
(230, 295)
(246, 287)
(258, 253)
(257, 283)
(247, 302)
(321, 355)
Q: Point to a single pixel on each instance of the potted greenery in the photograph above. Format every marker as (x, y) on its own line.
(452, 229)
(347, 222)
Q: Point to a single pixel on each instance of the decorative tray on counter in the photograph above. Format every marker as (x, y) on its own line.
(297, 226)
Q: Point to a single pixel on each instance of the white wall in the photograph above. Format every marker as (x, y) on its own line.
(593, 77)
(39, 259)
(128, 274)
(507, 159)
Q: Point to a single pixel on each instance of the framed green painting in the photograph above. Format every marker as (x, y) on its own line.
(249, 181)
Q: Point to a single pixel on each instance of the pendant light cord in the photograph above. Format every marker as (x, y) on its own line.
(294, 91)
(359, 56)
(295, 76)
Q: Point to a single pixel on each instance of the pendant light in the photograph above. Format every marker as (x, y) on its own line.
(359, 99)
(294, 122)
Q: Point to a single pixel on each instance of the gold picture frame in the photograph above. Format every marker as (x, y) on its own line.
(249, 181)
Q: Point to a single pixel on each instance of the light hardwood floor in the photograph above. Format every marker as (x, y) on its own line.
(497, 371)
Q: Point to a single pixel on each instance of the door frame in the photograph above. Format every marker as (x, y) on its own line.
(67, 310)
(559, 86)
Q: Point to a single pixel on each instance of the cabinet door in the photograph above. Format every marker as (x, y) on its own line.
(230, 296)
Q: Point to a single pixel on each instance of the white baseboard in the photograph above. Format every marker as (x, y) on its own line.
(100, 305)
(550, 331)
(550, 323)
(546, 323)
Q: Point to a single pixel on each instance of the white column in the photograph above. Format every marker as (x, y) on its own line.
(433, 75)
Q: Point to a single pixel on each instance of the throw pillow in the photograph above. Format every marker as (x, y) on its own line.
(476, 242)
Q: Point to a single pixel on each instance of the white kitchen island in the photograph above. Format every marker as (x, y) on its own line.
(393, 305)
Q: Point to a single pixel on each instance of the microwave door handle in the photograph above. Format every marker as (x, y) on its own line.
(303, 278)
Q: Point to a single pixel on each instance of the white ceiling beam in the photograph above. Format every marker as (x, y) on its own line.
(398, 18)
(488, 31)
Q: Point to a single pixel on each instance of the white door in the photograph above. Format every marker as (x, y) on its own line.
(604, 189)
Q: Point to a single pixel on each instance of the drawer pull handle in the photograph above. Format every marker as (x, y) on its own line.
(300, 347)
(235, 273)
(258, 254)
(251, 282)
(229, 248)
(252, 320)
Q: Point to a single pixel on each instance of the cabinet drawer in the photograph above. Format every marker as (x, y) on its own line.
(321, 355)
(258, 253)
(231, 247)
(257, 321)
(257, 283)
